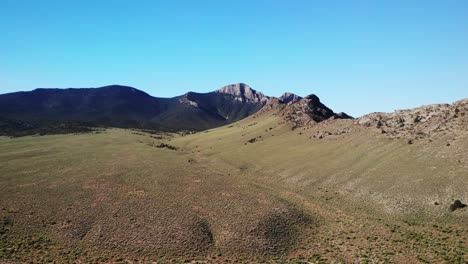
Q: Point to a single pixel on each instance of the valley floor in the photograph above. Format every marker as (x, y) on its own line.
(254, 191)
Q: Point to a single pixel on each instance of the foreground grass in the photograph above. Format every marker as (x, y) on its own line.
(217, 197)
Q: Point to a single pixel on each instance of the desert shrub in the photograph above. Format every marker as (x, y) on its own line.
(163, 145)
(457, 204)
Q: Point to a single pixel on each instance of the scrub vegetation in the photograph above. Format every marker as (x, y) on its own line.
(328, 193)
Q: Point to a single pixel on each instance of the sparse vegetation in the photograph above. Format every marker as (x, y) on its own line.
(15, 128)
(164, 145)
(252, 140)
(354, 196)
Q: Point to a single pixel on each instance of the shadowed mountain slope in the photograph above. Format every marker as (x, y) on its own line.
(127, 107)
(124, 106)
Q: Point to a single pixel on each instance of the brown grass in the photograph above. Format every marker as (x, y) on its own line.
(353, 196)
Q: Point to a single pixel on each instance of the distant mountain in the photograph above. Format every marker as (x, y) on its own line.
(127, 107)
(124, 106)
(243, 93)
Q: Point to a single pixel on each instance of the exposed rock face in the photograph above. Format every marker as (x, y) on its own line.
(309, 111)
(271, 104)
(244, 93)
(185, 100)
(421, 122)
(289, 97)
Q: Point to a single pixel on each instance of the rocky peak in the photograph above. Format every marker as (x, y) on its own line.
(243, 93)
(289, 97)
(312, 106)
(309, 111)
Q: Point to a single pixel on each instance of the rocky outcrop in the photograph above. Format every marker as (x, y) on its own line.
(309, 111)
(244, 93)
(289, 98)
(421, 122)
(272, 104)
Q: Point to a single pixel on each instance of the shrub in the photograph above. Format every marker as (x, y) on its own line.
(457, 204)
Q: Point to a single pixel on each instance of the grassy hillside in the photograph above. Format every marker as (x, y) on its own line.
(251, 191)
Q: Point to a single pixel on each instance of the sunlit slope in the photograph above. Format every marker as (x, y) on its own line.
(115, 195)
(355, 163)
(253, 191)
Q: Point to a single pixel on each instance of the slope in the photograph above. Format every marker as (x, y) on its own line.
(123, 106)
(256, 190)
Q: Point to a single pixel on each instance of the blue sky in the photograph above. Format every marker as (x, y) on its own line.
(357, 56)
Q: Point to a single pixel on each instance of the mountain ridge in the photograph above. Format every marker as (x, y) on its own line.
(125, 106)
(128, 107)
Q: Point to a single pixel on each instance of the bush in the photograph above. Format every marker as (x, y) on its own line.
(457, 205)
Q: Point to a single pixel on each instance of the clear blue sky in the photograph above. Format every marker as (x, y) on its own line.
(357, 56)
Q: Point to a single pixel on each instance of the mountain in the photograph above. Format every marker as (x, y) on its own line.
(110, 105)
(127, 107)
(123, 106)
(243, 93)
(255, 191)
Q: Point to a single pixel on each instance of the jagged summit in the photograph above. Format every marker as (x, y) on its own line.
(289, 97)
(309, 111)
(302, 112)
(243, 93)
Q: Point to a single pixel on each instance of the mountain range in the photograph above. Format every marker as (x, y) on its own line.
(293, 182)
(128, 107)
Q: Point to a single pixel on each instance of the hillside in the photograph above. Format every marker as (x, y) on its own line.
(425, 122)
(127, 107)
(326, 189)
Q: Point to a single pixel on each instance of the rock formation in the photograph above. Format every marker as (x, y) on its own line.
(244, 93)
(421, 122)
(289, 97)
